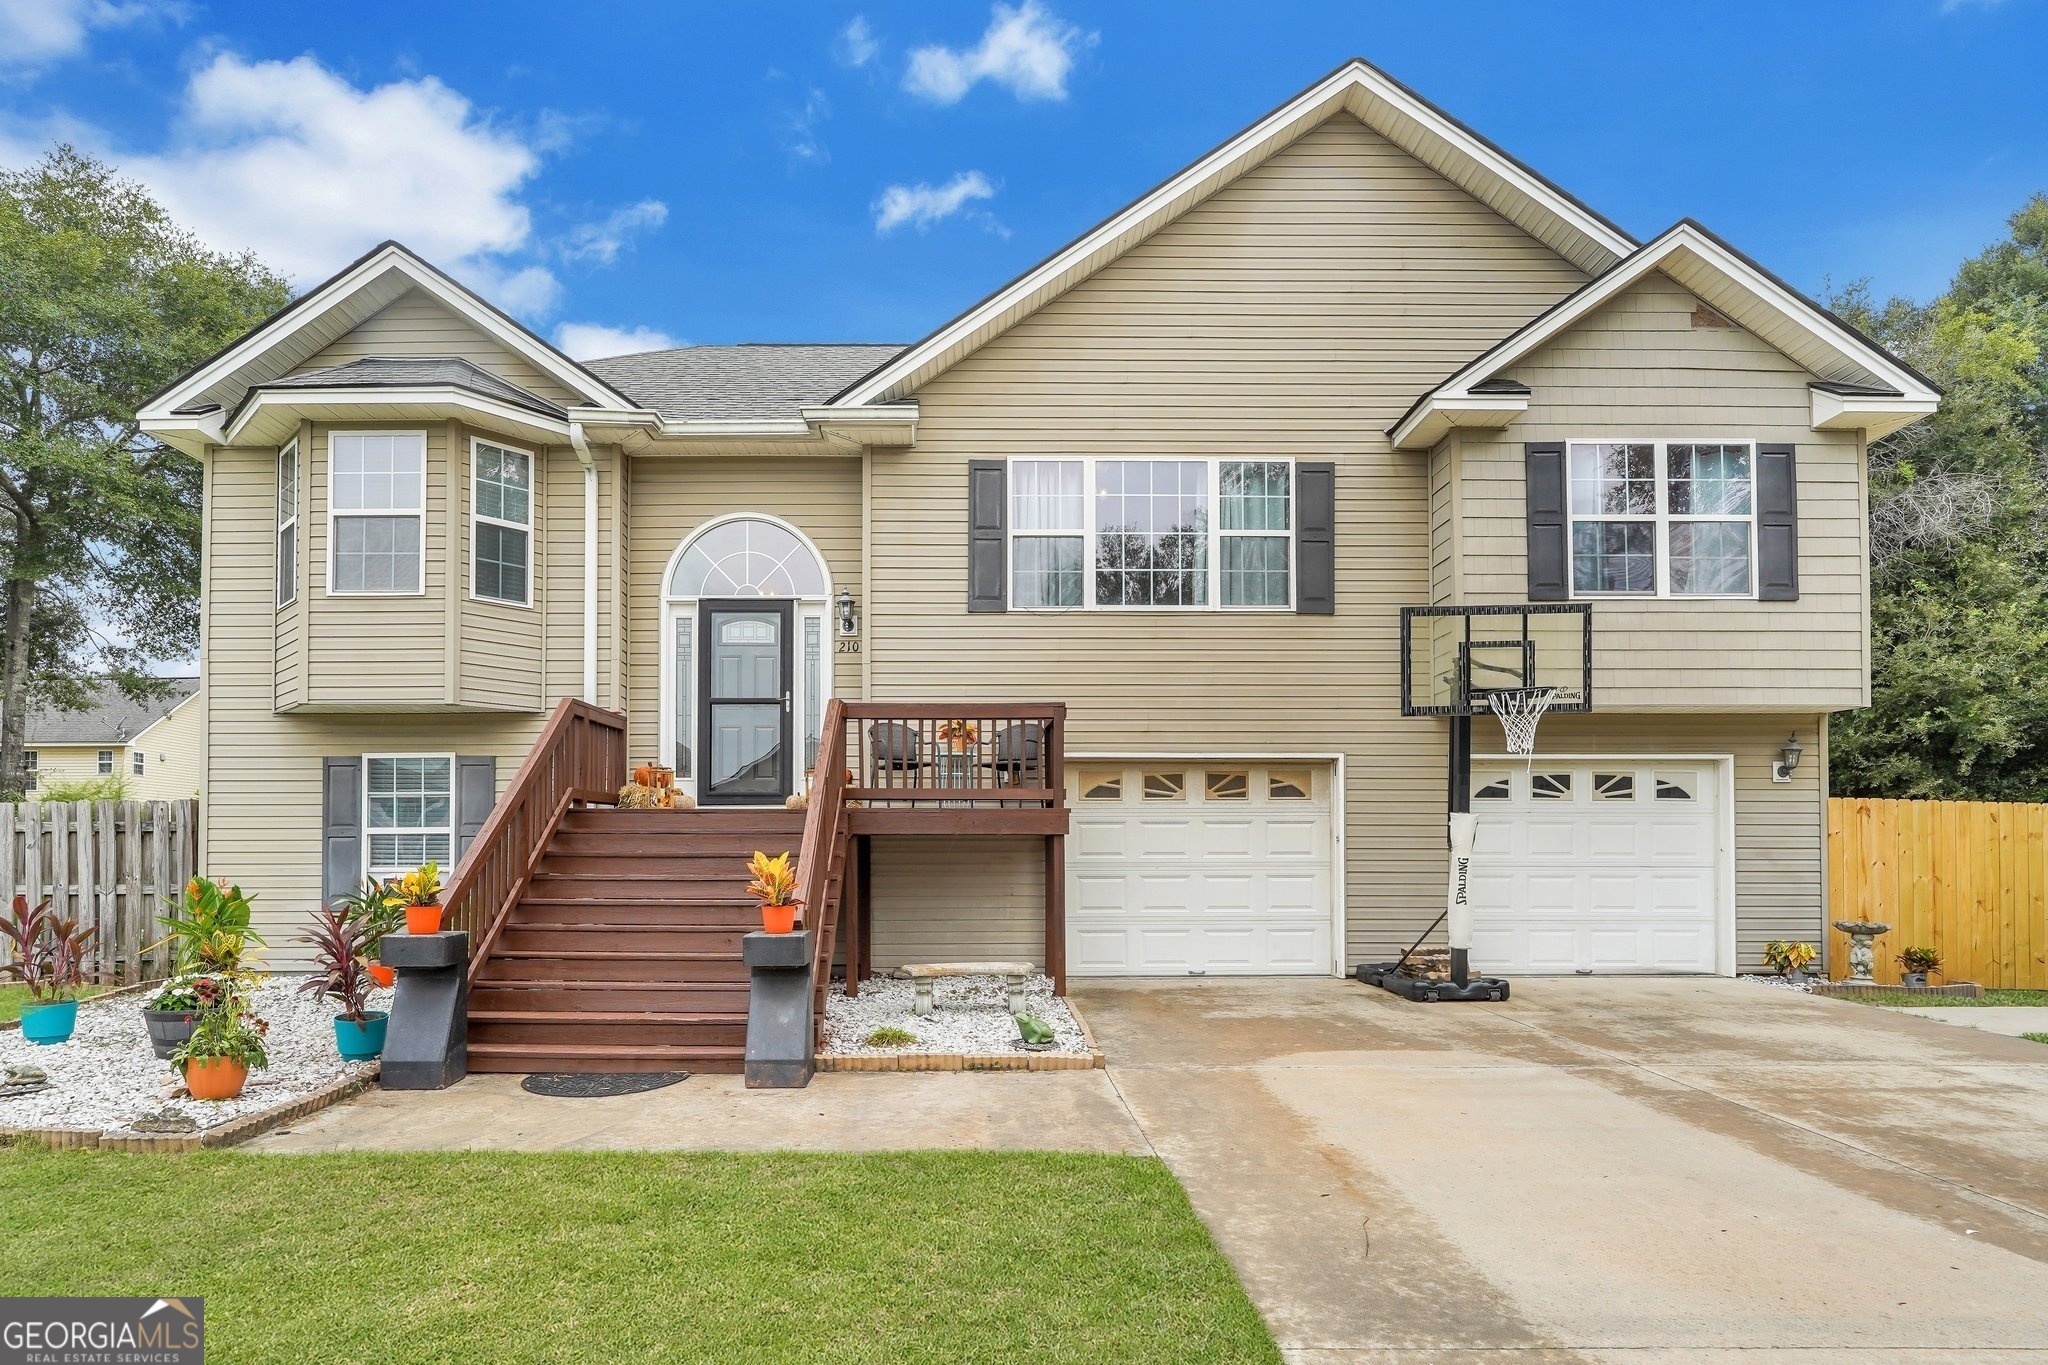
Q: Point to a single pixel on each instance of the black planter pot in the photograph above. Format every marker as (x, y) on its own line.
(168, 1030)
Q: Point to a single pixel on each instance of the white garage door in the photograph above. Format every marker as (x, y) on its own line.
(1609, 866)
(1219, 868)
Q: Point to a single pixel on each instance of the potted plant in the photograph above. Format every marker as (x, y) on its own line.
(1915, 964)
(375, 912)
(49, 959)
(210, 936)
(419, 891)
(225, 1044)
(1790, 959)
(774, 885)
(337, 943)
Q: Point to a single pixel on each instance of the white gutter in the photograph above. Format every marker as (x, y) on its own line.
(583, 458)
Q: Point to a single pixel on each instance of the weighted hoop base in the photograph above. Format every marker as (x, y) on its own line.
(1383, 975)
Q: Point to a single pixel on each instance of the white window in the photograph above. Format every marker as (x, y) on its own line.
(106, 762)
(135, 762)
(1663, 518)
(288, 523)
(501, 523)
(1178, 534)
(29, 761)
(408, 812)
(376, 512)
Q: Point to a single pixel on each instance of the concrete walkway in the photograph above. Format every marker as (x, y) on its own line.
(1609, 1170)
(2010, 1020)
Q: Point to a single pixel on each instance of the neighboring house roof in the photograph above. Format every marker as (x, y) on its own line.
(738, 383)
(112, 719)
(400, 373)
(1860, 384)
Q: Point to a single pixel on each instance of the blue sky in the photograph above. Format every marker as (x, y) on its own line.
(787, 172)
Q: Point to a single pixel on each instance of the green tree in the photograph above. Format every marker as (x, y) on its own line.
(103, 302)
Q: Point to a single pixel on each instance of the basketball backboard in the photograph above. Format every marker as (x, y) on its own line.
(1451, 657)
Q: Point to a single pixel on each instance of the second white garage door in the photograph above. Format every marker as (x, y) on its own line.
(1218, 869)
(1605, 866)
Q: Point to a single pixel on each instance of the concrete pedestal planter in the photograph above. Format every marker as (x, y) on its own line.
(360, 1041)
(49, 1023)
(168, 1030)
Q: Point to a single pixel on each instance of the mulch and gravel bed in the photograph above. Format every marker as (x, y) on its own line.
(105, 1079)
(971, 1017)
(1803, 987)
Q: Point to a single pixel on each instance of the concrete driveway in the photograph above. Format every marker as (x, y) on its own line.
(1611, 1170)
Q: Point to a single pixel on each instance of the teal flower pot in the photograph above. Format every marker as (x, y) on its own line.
(361, 1042)
(49, 1023)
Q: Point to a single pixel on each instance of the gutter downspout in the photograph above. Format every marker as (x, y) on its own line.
(583, 457)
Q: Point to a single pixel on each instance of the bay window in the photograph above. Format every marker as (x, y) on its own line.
(376, 509)
(1151, 533)
(288, 524)
(501, 523)
(1662, 518)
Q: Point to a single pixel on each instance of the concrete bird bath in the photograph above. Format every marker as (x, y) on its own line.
(1862, 946)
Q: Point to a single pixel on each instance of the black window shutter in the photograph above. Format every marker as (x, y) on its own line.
(1549, 525)
(987, 582)
(341, 826)
(1315, 538)
(1777, 524)
(476, 791)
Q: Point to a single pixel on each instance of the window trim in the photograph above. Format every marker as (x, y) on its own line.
(426, 481)
(477, 518)
(450, 829)
(1661, 521)
(137, 762)
(103, 762)
(288, 520)
(1215, 464)
(31, 767)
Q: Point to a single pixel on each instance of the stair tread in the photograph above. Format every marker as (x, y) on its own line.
(502, 1016)
(676, 1050)
(610, 954)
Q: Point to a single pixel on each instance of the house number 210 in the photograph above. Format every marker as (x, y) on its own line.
(848, 647)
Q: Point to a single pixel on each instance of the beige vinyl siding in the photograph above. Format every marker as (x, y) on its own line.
(957, 900)
(1639, 368)
(1780, 828)
(173, 751)
(1296, 313)
(671, 498)
(73, 763)
(418, 325)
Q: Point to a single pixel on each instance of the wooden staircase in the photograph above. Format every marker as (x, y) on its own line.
(622, 949)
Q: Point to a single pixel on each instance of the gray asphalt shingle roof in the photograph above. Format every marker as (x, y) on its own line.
(382, 373)
(739, 383)
(111, 720)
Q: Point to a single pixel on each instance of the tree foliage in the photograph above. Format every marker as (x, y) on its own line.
(1959, 514)
(103, 302)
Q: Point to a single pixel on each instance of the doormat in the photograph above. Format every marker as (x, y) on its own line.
(588, 1085)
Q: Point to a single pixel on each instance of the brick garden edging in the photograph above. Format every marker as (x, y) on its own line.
(1852, 990)
(1090, 1060)
(226, 1135)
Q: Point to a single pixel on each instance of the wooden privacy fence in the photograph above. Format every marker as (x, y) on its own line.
(1966, 878)
(109, 864)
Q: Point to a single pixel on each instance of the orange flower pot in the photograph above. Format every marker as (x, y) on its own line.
(423, 919)
(778, 919)
(215, 1078)
(384, 976)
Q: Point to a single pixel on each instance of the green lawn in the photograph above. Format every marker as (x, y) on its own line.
(1990, 997)
(460, 1256)
(12, 998)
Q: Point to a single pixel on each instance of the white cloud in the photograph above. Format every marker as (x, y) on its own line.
(1956, 6)
(922, 205)
(602, 241)
(34, 33)
(856, 45)
(804, 141)
(594, 340)
(1027, 50)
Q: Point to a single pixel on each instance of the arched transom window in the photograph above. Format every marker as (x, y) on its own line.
(747, 557)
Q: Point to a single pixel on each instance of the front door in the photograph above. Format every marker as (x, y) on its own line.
(744, 724)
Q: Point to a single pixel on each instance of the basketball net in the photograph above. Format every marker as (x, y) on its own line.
(1519, 711)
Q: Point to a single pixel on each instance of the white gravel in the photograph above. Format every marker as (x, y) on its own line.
(106, 1076)
(1804, 987)
(972, 1015)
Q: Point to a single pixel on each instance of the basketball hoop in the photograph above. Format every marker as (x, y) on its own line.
(1520, 710)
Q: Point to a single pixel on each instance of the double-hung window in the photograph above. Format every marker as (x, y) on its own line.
(29, 761)
(376, 507)
(1663, 518)
(408, 813)
(137, 762)
(1162, 533)
(105, 765)
(288, 523)
(501, 523)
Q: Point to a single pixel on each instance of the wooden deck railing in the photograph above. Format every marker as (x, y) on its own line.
(824, 833)
(580, 757)
(956, 755)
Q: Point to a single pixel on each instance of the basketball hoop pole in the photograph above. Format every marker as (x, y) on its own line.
(1460, 803)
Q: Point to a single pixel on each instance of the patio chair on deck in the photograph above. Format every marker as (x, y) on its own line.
(894, 754)
(1016, 755)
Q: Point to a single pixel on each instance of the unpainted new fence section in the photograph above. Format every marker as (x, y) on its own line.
(108, 864)
(1966, 878)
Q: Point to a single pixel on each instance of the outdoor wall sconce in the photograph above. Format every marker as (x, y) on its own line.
(1788, 759)
(849, 620)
